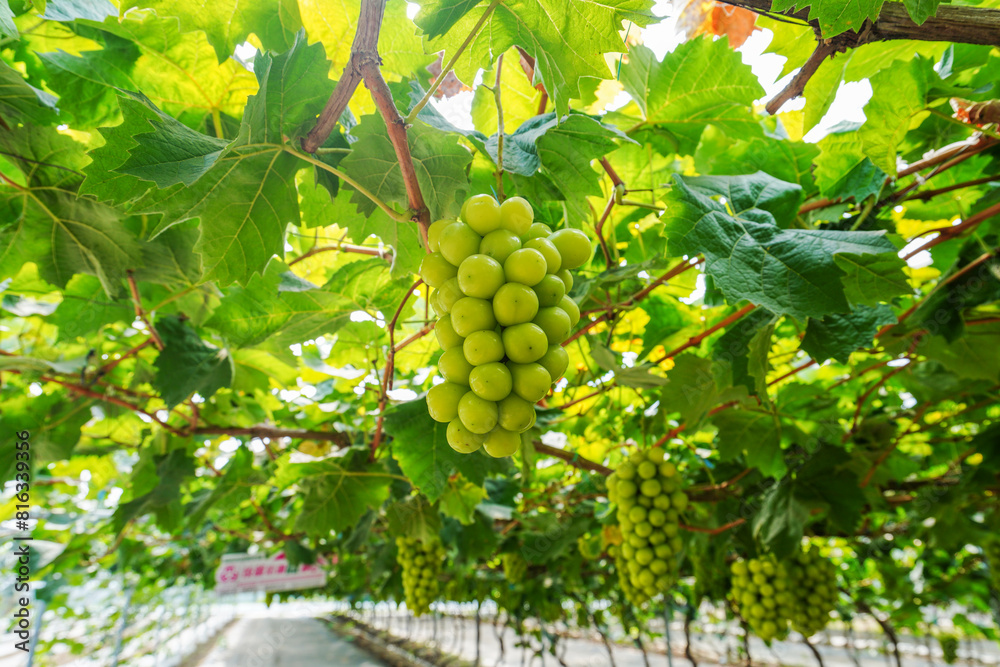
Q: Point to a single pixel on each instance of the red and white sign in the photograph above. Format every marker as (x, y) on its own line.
(243, 572)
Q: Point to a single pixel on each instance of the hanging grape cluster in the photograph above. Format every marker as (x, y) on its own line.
(647, 490)
(814, 591)
(500, 290)
(772, 595)
(514, 567)
(761, 592)
(422, 563)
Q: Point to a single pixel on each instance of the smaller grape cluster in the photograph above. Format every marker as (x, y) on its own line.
(421, 562)
(647, 490)
(814, 591)
(514, 567)
(949, 648)
(761, 592)
(500, 290)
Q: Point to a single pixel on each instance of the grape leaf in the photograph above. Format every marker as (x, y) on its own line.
(249, 315)
(780, 523)
(91, 81)
(171, 470)
(335, 492)
(898, 102)
(567, 39)
(86, 307)
(941, 312)
(787, 271)
(230, 489)
(834, 16)
(842, 169)
(177, 70)
(789, 161)
(826, 480)
(421, 448)
(972, 356)
(436, 17)
(692, 389)
(758, 363)
(72, 10)
(460, 500)
(756, 434)
(921, 10)
(836, 335)
(20, 101)
(333, 24)
(736, 345)
(187, 365)
(702, 82)
(871, 279)
(563, 147)
(53, 422)
(7, 26)
(414, 517)
(228, 23)
(45, 223)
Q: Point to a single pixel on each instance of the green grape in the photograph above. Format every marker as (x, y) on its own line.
(492, 382)
(556, 361)
(442, 400)
(435, 269)
(574, 247)
(480, 276)
(571, 309)
(500, 443)
(477, 414)
(499, 244)
(526, 266)
(538, 231)
(422, 564)
(515, 414)
(470, 315)
(516, 215)
(567, 278)
(448, 295)
(553, 261)
(483, 347)
(525, 343)
(555, 323)
(446, 335)
(434, 234)
(454, 368)
(550, 290)
(531, 381)
(461, 439)
(457, 242)
(482, 213)
(650, 535)
(515, 304)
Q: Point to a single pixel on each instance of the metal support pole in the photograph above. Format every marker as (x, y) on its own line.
(668, 612)
(121, 628)
(40, 606)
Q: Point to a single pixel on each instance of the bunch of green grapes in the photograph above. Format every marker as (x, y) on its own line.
(647, 490)
(632, 594)
(813, 581)
(762, 594)
(422, 563)
(514, 567)
(501, 284)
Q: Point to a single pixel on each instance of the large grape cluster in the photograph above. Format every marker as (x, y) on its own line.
(421, 562)
(500, 290)
(762, 594)
(647, 490)
(814, 591)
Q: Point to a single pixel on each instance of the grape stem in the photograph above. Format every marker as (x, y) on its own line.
(140, 313)
(496, 96)
(713, 531)
(571, 458)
